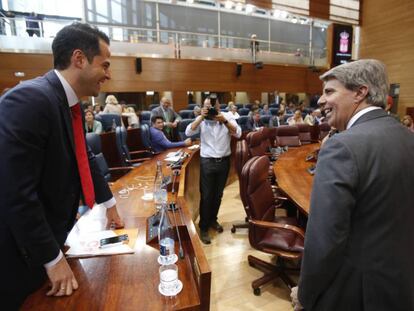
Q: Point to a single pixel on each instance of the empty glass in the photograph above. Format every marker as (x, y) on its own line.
(170, 285)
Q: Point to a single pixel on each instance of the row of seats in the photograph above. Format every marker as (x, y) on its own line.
(222, 106)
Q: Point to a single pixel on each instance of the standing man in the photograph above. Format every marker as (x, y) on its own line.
(215, 130)
(170, 116)
(359, 245)
(159, 141)
(46, 167)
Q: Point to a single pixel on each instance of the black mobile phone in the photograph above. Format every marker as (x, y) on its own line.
(114, 239)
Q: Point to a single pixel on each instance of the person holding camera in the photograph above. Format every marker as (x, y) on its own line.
(215, 130)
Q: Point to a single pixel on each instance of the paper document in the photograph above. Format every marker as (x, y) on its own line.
(194, 147)
(87, 244)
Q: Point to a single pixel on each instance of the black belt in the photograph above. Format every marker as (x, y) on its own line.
(217, 159)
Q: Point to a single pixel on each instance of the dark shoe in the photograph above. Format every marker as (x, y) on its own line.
(205, 237)
(216, 226)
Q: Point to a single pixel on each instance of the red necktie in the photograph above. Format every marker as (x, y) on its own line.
(81, 156)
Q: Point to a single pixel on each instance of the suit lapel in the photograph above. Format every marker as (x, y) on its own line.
(63, 105)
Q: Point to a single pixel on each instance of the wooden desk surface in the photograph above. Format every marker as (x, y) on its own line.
(130, 282)
(292, 175)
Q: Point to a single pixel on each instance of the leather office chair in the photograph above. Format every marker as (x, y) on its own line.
(107, 120)
(239, 106)
(152, 106)
(304, 133)
(181, 129)
(242, 121)
(241, 157)
(146, 117)
(123, 150)
(110, 174)
(243, 111)
(191, 106)
(186, 114)
(265, 120)
(274, 111)
(267, 233)
(324, 129)
(288, 136)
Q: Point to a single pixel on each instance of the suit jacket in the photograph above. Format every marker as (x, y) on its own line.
(359, 245)
(160, 142)
(169, 116)
(39, 186)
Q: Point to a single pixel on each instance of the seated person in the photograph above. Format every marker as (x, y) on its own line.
(91, 125)
(296, 118)
(265, 110)
(159, 141)
(313, 118)
(133, 121)
(254, 123)
(408, 122)
(232, 110)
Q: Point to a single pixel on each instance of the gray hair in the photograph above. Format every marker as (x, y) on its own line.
(368, 72)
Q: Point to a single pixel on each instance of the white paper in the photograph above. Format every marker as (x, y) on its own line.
(87, 244)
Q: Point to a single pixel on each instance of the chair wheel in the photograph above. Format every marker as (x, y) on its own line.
(256, 291)
(233, 229)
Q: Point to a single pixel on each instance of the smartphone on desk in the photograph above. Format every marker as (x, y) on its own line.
(113, 240)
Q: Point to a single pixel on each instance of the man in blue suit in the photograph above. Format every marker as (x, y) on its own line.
(46, 167)
(159, 141)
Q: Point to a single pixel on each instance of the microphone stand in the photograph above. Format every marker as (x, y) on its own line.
(173, 208)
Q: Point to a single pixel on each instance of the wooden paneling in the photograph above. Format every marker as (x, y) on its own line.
(175, 75)
(387, 34)
(319, 8)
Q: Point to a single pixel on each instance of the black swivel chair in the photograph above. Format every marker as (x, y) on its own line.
(146, 117)
(186, 114)
(110, 174)
(107, 120)
(123, 150)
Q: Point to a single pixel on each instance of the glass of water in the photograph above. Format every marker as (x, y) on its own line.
(169, 283)
(160, 198)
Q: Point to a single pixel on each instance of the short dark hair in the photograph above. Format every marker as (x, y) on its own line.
(76, 36)
(155, 118)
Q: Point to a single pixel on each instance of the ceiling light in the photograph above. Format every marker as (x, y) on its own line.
(19, 74)
(228, 4)
(284, 14)
(239, 6)
(277, 13)
(294, 20)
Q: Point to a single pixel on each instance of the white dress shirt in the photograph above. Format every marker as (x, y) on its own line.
(72, 101)
(215, 137)
(360, 114)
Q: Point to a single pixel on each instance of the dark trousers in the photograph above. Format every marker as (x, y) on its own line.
(213, 177)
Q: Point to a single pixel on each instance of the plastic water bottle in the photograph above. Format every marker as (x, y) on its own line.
(166, 239)
(113, 125)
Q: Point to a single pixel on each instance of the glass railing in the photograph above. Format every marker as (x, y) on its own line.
(271, 51)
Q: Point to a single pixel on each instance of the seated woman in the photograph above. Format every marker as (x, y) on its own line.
(296, 118)
(232, 110)
(133, 121)
(112, 105)
(91, 125)
(159, 141)
(265, 110)
(408, 122)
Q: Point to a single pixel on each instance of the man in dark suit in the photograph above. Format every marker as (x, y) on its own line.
(171, 118)
(359, 245)
(46, 167)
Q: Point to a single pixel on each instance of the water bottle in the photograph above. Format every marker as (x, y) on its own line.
(160, 196)
(113, 125)
(166, 239)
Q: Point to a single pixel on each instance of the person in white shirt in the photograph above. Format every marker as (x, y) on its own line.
(133, 121)
(215, 130)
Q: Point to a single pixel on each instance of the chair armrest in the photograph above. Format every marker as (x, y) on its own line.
(121, 168)
(140, 151)
(138, 160)
(276, 225)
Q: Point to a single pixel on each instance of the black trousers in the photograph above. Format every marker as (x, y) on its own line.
(213, 177)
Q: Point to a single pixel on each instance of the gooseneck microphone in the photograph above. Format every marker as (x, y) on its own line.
(173, 208)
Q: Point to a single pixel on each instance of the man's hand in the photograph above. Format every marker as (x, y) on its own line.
(204, 112)
(295, 301)
(62, 280)
(187, 142)
(220, 117)
(113, 217)
(174, 125)
(168, 124)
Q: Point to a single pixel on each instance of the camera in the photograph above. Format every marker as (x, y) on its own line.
(212, 112)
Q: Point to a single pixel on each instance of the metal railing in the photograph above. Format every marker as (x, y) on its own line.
(297, 53)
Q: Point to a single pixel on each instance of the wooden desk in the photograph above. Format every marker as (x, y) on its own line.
(292, 175)
(130, 282)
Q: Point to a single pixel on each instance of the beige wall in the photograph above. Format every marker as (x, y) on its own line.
(387, 34)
